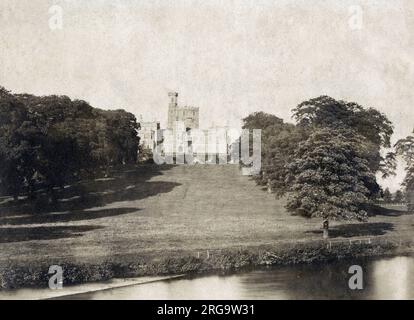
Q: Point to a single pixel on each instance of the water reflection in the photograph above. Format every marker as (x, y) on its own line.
(391, 279)
(385, 278)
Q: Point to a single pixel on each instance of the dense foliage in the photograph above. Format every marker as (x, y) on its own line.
(53, 140)
(399, 197)
(387, 196)
(373, 126)
(330, 175)
(279, 140)
(328, 161)
(405, 148)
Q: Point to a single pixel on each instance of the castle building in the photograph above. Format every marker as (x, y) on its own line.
(187, 115)
(148, 134)
(183, 137)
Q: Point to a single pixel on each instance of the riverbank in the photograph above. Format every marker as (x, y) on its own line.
(213, 261)
(159, 220)
(384, 278)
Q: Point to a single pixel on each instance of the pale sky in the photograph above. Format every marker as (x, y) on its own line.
(229, 58)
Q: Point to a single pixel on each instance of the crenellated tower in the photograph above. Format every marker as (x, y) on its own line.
(189, 116)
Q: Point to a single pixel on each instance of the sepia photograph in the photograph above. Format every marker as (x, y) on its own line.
(209, 151)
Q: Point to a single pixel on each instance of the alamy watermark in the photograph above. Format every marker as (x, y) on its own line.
(55, 17)
(56, 278)
(356, 18)
(356, 281)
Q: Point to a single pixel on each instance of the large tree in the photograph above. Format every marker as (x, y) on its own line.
(336, 167)
(399, 197)
(57, 140)
(279, 140)
(19, 143)
(345, 135)
(102, 138)
(387, 196)
(405, 148)
(329, 177)
(326, 112)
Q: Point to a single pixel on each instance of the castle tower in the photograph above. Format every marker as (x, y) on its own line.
(188, 116)
(172, 109)
(173, 98)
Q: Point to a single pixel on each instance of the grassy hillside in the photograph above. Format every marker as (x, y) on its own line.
(150, 213)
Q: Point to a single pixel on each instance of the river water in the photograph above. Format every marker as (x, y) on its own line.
(383, 278)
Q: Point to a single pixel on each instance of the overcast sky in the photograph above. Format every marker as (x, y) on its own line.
(229, 58)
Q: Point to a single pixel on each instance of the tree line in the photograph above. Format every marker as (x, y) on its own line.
(328, 160)
(51, 141)
(405, 148)
(397, 198)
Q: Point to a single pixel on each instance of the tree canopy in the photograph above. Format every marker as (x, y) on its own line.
(326, 112)
(55, 140)
(327, 162)
(329, 176)
(387, 196)
(405, 148)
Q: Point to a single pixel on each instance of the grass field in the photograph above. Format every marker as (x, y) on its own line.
(147, 213)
